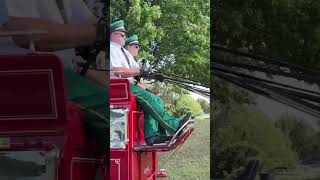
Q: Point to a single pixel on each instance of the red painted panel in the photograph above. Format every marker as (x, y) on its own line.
(33, 103)
(146, 165)
(119, 91)
(27, 95)
(133, 165)
(32, 95)
(119, 164)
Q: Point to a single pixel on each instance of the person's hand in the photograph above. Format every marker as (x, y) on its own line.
(78, 63)
(155, 92)
(145, 73)
(144, 63)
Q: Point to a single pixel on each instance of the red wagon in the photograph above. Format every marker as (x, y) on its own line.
(130, 158)
(43, 137)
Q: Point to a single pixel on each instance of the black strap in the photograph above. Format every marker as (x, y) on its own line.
(125, 55)
(62, 10)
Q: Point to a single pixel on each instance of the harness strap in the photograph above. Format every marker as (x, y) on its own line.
(125, 55)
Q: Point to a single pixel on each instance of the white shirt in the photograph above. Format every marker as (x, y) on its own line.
(118, 59)
(76, 12)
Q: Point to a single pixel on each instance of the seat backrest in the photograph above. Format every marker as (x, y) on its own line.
(32, 95)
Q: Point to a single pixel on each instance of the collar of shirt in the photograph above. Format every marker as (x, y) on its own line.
(115, 44)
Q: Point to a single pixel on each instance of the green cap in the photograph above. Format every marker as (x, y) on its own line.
(132, 40)
(117, 26)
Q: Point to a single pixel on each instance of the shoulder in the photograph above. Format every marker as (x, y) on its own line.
(114, 48)
(114, 45)
(126, 51)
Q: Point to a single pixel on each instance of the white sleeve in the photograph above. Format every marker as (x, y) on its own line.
(80, 13)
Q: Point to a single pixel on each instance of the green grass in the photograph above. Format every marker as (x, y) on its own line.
(192, 160)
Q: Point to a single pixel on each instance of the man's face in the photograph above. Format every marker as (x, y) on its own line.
(134, 49)
(118, 37)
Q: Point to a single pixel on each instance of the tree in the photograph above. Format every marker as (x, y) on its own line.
(187, 36)
(280, 28)
(179, 28)
(226, 94)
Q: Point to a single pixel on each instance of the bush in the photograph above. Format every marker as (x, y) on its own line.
(205, 106)
(188, 104)
(304, 139)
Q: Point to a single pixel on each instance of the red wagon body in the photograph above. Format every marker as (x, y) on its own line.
(42, 136)
(130, 158)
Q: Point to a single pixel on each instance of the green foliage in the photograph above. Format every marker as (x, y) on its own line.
(171, 95)
(187, 104)
(179, 28)
(187, 36)
(284, 29)
(288, 29)
(177, 101)
(247, 134)
(227, 95)
(304, 140)
(205, 106)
